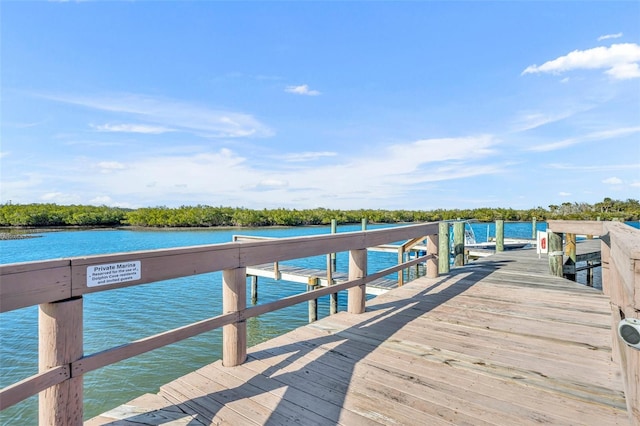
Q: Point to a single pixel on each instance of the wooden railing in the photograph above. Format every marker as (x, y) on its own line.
(58, 287)
(620, 248)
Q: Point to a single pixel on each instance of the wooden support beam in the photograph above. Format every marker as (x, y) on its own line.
(432, 249)
(534, 226)
(570, 251)
(458, 244)
(357, 269)
(313, 303)
(555, 253)
(443, 248)
(334, 230)
(60, 344)
(499, 235)
(254, 289)
(234, 299)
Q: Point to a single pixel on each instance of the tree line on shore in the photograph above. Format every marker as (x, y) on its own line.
(53, 215)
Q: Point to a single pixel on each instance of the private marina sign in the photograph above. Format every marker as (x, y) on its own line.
(113, 273)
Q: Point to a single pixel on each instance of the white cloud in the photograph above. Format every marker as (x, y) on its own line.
(132, 128)
(612, 181)
(306, 156)
(619, 60)
(624, 71)
(564, 194)
(4, 154)
(101, 200)
(110, 166)
(175, 115)
(605, 134)
(60, 198)
(270, 184)
(303, 89)
(636, 184)
(532, 120)
(387, 174)
(609, 36)
(598, 168)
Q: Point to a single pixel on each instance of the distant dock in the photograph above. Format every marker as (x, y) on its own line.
(505, 340)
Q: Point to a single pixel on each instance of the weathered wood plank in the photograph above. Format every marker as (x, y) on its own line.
(500, 342)
(29, 283)
(32, 385)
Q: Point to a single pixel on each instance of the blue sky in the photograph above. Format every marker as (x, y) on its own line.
(348, 105)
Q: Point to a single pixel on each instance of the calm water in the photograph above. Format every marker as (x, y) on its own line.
(116, 317)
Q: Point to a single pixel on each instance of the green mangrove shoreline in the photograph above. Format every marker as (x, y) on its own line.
(40, 216)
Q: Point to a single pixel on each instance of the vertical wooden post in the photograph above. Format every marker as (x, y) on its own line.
(254, 289)
(334, 229)
(443, 247)
(357, 269)
(570, 251)
(364, 223)
(234, 299)
(605, 262)
(534, 235)
(312, 284)
(555, 253)
(499, 235)
(458, 244)
(590, 273)
(432, 249)
(60, 343)
(400, 261)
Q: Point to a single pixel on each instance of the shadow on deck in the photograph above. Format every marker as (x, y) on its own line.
(492, 343)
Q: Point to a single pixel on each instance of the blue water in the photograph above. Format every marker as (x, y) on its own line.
(116, 317)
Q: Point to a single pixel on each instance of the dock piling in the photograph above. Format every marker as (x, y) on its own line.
(234, 299)
(458, 243)
(555, 253)
(357, 269)
(443, 248)
(499, 235)
(61, 343)
(254, 289)
(313, 303)
(570, 251)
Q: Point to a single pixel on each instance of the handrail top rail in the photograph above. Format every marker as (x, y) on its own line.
(60, 279)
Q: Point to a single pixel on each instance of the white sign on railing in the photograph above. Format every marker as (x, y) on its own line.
(542, 245)
(113, 273)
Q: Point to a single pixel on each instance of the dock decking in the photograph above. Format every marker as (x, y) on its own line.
(301, 275)
(497, 342)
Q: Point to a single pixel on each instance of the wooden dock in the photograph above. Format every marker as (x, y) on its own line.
(301, 275)
(497, 342)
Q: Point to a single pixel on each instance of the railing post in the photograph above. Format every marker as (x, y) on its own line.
(570, 250)
(534, 226)
(432, 250)
(334, 229)
(401, 261)
(499, 235)
(254, 289)
(312, 283)
(555, 253)
(357, 269)
(458, 244)
(234, 299)
(60, 343)
(443, 247)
